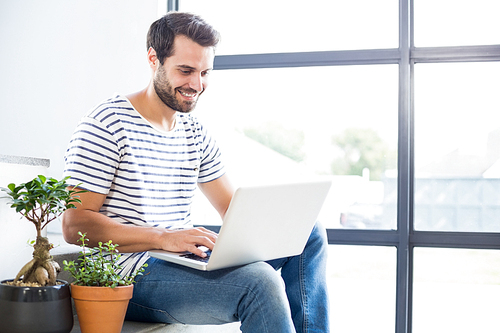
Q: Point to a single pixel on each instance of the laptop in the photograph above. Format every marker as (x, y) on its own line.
(261, 223)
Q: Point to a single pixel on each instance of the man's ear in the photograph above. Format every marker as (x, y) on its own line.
(152, 59)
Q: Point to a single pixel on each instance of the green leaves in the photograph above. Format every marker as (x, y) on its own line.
(42, 199)
(99, 267)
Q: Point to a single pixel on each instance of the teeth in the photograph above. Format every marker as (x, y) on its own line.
(187, 95)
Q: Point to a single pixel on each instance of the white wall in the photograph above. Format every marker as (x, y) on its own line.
(58, 58)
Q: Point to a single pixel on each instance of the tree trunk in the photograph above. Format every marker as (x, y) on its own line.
(42, 269)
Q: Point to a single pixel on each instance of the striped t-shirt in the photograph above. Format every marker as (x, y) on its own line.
(148, 176)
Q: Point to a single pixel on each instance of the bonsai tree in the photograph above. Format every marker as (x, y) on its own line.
(98, 267)
(41, 201)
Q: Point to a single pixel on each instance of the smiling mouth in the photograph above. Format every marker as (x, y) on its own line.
(188, 95)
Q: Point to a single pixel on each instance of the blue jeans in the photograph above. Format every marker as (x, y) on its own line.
(255, 294)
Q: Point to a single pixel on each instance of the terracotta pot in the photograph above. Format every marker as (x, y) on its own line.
(101, 309)
(35, 309)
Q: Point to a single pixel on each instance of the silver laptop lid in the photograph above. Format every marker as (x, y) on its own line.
(268, 222)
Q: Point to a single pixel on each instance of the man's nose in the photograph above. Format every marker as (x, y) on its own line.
(196, 82)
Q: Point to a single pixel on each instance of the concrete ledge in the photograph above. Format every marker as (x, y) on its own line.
(25, 160)
(137, 327)
(70, 252)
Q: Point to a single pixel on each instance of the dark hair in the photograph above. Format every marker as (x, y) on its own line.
(163, 31)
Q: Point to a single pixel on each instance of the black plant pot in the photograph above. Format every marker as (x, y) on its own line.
(35, 309)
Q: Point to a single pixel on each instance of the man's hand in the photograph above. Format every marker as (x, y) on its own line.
(131, 238)
(189, 240)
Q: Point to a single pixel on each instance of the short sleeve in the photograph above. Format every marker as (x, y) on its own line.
(92, 157)
(211, 166)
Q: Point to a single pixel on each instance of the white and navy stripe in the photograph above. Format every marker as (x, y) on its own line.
(148, 176)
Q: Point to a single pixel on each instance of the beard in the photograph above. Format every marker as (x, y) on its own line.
(167, 93)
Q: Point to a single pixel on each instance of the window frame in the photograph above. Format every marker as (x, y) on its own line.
(405, 238)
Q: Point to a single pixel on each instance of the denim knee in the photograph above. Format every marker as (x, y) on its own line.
(265, 305)
(264, 281)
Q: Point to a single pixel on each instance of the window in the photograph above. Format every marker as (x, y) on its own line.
(287, 123)
(361, 285)
(455, 290)
(430, 99)
(457, 140)
(251, 27)
(456, 23)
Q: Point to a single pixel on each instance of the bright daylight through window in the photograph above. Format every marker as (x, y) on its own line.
(281, 120)
(322, 128)
(457, 156)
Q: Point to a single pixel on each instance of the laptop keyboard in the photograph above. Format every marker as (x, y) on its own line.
(197, 258)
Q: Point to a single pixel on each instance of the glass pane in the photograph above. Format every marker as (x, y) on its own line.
(456, 291)
(455, 23)
(287, 124)
(293, 25)
(362, 288)
(457, 140)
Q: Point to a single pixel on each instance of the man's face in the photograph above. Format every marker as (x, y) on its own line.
(184, 76)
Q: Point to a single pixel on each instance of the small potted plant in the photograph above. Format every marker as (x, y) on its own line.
(100, 293)
(43, 301)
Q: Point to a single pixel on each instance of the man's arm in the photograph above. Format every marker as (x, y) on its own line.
(219, 192)
(130, 238)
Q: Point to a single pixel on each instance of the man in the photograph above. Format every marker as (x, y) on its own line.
(141, 158)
